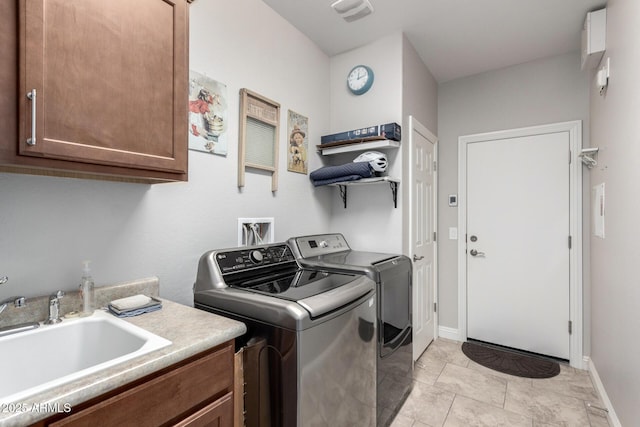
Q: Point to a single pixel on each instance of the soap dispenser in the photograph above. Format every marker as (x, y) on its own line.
(87, 291)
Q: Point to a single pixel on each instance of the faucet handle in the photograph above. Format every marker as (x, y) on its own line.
(3, 280)
(56, 296)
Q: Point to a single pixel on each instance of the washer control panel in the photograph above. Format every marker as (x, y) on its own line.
(249, 258)
(320, 244)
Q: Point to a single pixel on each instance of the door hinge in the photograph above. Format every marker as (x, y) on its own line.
(435, 166)
(570, 327)
(434, 236)
(569, 156)
(435, 307)
(569, 242)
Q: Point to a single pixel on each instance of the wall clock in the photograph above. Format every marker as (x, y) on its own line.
(360, 79)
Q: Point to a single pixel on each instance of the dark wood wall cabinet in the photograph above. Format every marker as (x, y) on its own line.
(95, 88)
(197, 392)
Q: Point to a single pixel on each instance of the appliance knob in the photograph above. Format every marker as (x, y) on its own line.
(323, 244)
(256, 257)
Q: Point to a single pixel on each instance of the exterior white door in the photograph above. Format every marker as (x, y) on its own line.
(423, 200)
(518, 242)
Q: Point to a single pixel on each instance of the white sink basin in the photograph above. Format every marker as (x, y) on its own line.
(51, 355)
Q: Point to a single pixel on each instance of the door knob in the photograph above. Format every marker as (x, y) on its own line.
(417, 258)
(476, 253)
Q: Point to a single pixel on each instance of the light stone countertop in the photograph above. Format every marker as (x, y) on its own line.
(190, 330)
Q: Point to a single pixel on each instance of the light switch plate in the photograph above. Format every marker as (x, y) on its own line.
(597, 199)
(453, 233)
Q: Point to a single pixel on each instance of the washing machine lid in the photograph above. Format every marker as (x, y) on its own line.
(353, 258)
(331, 251)
(293, 285)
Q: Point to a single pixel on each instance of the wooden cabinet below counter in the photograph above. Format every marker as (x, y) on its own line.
(110, 80)
(196, 392)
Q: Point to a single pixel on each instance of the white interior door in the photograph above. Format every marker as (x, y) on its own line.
(423, 201)
(518, 254)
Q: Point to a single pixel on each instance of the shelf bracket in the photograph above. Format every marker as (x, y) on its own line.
(394, 193)
(589, 157)
(392, 185)
(343, 194)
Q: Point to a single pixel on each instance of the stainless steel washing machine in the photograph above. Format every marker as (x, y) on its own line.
(393, 277)
(310, 347)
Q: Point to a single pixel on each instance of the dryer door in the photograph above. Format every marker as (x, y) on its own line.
(395, 303)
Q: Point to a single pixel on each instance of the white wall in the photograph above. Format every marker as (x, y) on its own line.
(49, 225)
(370, 222)
(539, 92)
(615, 126)
(403, 85)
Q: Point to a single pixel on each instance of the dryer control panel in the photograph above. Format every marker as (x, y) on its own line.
(319, 244)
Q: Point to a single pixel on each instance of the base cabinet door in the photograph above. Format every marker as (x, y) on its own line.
(217, 414)
(198, 393)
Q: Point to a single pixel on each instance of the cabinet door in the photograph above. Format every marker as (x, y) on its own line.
(167, 397)
(216, 414)
(110, 79)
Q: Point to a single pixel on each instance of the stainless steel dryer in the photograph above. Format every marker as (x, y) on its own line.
(393, 277)
(310, 347)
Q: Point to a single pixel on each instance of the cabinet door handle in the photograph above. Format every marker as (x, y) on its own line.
(32, 96)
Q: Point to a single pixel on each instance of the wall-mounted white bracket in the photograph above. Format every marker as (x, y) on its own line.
(602, 76)
(589, 156)
(255, 231)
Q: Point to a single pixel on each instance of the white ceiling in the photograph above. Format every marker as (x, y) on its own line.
(454, 38)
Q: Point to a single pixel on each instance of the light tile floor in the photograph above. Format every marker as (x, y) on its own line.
(451, 390)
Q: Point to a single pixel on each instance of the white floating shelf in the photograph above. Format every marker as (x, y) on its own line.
(367, 145)
(365, 181)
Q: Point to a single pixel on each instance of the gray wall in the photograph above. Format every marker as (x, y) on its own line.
(419, 90)
(370, 222)
(403, 85)
(539, 92)
(49, 225)
(615, 126)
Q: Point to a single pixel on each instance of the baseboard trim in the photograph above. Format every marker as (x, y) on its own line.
(593, 372)
(449, 333)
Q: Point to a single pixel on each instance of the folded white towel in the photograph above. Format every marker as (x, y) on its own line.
(130, 303)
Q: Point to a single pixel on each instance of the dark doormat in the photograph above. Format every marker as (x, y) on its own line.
(510, 362)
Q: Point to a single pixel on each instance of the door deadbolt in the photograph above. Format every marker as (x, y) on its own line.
(474, 238)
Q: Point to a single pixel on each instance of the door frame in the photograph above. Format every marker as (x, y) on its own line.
(574, 128)
(414, 124)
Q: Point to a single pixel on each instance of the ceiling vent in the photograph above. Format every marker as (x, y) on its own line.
(352, 10)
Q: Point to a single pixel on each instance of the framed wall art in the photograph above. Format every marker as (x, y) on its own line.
(297, 131)
(207, 114)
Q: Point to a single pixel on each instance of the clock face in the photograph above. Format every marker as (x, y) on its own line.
(360, 79)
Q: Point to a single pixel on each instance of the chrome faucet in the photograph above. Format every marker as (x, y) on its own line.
(54, 308)
(17, 302)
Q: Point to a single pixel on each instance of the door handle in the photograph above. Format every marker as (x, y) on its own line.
(475, 253)
(32, 96)
(417, 258)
